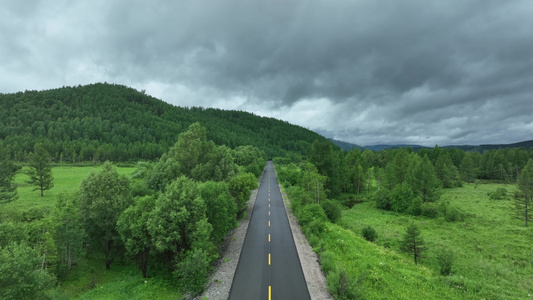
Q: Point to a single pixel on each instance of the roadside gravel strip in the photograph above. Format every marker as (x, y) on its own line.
(219, 284)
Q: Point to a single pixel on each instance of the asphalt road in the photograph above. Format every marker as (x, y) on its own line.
(269, 267)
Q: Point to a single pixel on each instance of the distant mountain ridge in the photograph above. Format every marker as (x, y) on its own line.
(344, 145)
(479, 148)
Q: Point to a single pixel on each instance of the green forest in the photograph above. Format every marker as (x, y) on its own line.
(100, 122)
(107, 193)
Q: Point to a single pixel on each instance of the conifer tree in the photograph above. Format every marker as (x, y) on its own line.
(525, 195)
(423, 180)
(40, 172)
(412, 242)
(8, 190)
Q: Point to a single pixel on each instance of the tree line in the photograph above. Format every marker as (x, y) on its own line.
(168, 218)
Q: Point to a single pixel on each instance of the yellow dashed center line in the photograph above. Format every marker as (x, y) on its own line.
(269, 237)
(268, 223)
(269, 259)
(269, 292)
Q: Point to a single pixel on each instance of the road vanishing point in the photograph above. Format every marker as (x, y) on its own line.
(269, 266)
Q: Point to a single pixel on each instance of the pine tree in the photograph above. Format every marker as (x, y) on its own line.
(40, 172)
(467, 168)
(423, 180)
(413, 243)
(8, 190)
(525, 195)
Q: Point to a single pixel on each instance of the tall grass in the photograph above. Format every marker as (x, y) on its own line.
(493, 250)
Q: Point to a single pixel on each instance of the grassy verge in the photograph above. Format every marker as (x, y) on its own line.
(493, 250)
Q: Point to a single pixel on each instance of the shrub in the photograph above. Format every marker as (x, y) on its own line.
(240, 187)
(401, 198)
(454, 215)
(498, 194)
(445, 259)
(429, 210)
(313, 240)
(312, 219)
(348, 200)
(310, 213)
(342, 286)
(415, 207)
(192, 272)
(332, 209)
(382, 199)
(369, 233)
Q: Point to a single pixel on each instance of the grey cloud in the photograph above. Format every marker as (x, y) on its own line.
(414, 71)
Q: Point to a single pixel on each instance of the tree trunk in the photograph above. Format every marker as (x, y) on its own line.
(108, 261)
(526, 211)
(414, 250)
(41, 183)
(144, 262)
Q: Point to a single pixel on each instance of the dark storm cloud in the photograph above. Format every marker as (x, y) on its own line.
(364, 71)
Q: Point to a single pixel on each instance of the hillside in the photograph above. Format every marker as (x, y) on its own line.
(113, 122)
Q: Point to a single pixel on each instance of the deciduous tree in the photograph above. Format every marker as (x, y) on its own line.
(132, 225)
(69, 234)
(221, 210)
(21, 274)
(178, 218)
(104, 196)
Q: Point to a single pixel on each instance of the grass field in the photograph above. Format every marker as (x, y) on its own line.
(493, 250)
(66, 179)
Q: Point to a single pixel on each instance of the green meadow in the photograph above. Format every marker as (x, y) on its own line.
(66, 179)
(493, 250)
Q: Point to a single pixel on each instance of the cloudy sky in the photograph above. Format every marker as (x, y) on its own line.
(362, 71)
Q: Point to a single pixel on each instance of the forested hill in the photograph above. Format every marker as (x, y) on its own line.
(113, 122)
